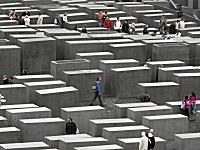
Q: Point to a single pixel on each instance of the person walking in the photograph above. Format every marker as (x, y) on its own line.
(100, 18)
(71, 127)
(27, 20)
(118, 25)
(143, 145)
(107, 23)
(151, 142)
(97, 87)
(125, 26)
(40, 19)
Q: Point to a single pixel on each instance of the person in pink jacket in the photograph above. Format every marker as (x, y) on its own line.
(193, 98)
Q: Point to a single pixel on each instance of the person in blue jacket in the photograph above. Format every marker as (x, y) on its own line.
(98, 90)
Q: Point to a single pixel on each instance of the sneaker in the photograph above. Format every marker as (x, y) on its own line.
(102, 105)
(91, 104)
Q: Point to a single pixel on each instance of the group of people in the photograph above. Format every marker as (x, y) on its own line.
(7, 80)
(147, 141)
(189, 103)
(173, 28)
(60, 20)
(24, 18)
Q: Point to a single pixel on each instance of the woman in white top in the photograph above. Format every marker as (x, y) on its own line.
(65, 19)
(182, 24)
(118, 25)
(27, 20)
(143, 145)
(40, 19)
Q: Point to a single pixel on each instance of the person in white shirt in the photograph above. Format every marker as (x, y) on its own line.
(182, 24)
(143, 145)
(118, 25)
(65, 19)
(40, 19)
(27, 20)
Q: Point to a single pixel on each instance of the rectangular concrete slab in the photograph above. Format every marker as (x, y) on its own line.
(10, 135)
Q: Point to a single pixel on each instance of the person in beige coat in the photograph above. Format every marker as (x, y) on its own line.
(143, 145)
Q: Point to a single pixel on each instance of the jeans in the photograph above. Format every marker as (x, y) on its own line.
(97, 95)
(193, 106)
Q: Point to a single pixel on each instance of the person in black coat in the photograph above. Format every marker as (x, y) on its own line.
(151, 142)
(71, 127)
(125, 27)
(172, 28)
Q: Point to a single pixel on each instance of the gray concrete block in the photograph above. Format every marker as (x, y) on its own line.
(171, 124)
(159, 91)
(96, 126)
(14, 93)
(3, 121)
(36, 54)
(53, 141)
(41, 127)
(115, 133)
(107, 65)
(32, 86)
(57, 67)
(125, 80)
(95, 57)
(82, 115)
(10, 135)
(121, 109)
(10, 60)
(57, 98)
(14, 115)
(137, 114)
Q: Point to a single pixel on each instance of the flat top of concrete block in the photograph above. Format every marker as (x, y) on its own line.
(2, 118)
(100, 147)
(26, 35)
(100, 41)
(23, 145)
(165, 117)
(90, 139)
(194, 32)
(178, 103)
(158, 14)
(15, 7)
(130, 69)
(13, 26)
(34, 76)
(72, 37)
(53, 138)
(119, 61)
(70, 61)
(106, 35)
(107, 121)
(128, 3)
(26, 110)
(147, 11)
(41, 120)
(137, 140)
(56, 90)
(170, 45)
(103, 8)
(18, 30)
(82, 21)
(197, 74)
(188, 135)
(158, 84)
(94, 28)
(133, 105)
(94, 54)
(41, 83)
(83, 108)
(163, 107)
(63, 8)
(7, 4)
(179, 68)
(83, 71)
(8, 129)
(126, 128)
(76, 14)
(190, 28)
(58, 30)
(142, 5)
(12, 86)
(8, 21)
(37, 39)
(42, 25)
(143, 36)
(193, 40)
(9, 47)
(15, 106)
(127, 45)
(158, 41)
(165, 62)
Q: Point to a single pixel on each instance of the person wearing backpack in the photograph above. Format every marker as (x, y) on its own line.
(151, 140)
(97, 87)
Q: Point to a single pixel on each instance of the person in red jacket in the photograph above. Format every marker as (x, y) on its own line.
(107, 23)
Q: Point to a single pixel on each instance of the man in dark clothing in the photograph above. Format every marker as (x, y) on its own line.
(172, 28)
(125, 27)
(145, 30)
(5, 80)
(26, 13)
(151, 142)
(70, 127)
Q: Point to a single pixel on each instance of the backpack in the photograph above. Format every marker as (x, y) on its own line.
(94, 87)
